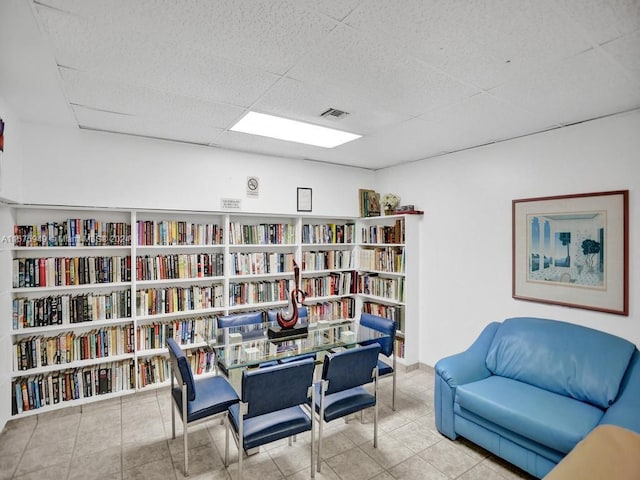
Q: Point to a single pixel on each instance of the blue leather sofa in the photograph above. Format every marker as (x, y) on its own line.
(529, 389)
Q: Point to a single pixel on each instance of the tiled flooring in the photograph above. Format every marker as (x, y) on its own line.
(130, 438)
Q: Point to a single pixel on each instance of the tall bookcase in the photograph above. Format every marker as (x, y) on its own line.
(388, 279)
(94, 293)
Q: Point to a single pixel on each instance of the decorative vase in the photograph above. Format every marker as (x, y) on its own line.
(389, 212)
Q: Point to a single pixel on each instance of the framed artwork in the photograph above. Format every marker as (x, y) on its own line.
(304, 199)
(572, 250)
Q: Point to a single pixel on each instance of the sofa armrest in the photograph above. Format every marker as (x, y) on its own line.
(459, 369)
(624, 412)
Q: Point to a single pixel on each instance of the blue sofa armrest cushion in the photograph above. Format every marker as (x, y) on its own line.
(625, 412)
(465, 367)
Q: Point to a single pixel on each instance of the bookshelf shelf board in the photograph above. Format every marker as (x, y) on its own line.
(71, 365)
(381, 245)
(72, 326)
(72, 248)
(58, 288)
(328, 297)
(326, 271)
(203, 246)
(182, 313)
(262, 246)
(71, 403)
(386, 300)
(382, 272)
(233, 278)
(165, 281)
(263, 305)
(327, 244)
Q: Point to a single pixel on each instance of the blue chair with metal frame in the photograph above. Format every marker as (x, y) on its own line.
(387, 346)
(341, 391)
(303, 319)
(195, 400)
(275, 405)
(243, 319)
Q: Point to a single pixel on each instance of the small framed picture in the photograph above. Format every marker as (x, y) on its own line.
(304, 199)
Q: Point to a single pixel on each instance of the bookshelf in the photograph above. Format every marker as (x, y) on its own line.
(327, 267)
(388, 280)
(94, 293)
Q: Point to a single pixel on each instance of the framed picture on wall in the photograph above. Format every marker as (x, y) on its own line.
(304, 199)
(572, 250)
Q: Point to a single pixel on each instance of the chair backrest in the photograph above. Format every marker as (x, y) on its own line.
(275, 388)
(302, 315)
(350, 368)
(180, 368)
(239, 319)
(382, 325)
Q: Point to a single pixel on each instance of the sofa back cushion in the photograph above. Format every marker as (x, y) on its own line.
(561, 357)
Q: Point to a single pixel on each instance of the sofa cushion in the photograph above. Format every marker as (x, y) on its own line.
(561, 357)
(548, 418)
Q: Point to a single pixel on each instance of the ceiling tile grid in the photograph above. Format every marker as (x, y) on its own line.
(418, 77)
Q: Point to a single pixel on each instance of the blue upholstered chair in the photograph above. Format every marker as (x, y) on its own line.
(303, 319)
(195, 400)
(387, 346)
(341, 391)
(275, 405)
(242, 320)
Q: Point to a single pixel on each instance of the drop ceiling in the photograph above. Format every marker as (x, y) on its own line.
(419, 78)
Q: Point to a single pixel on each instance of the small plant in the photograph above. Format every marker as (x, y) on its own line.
(390, 201)
(590, 248)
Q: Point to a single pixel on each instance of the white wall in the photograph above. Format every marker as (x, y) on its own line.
(466, 230)
(79, 167)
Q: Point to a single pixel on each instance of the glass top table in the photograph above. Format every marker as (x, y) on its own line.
(249, 345)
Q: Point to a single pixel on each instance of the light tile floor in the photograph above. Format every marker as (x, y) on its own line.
(130, 438)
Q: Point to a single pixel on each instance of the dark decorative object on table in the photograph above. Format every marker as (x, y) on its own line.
(288, 324)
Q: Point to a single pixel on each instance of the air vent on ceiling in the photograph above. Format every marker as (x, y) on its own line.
(334, 114)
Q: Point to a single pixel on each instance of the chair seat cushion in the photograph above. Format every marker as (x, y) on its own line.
(213, 395)
(384, 368)
(548, 418)
(343, 403)
(272, 426)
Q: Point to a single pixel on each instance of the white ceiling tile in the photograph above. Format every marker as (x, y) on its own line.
(306, 102)
(110, 122)
(479, 120)
(626, 51)
(604, 20)
(360, 65)
(482, 43)
(102, 94)
(337, 9)
(125, 51)
(583, 87)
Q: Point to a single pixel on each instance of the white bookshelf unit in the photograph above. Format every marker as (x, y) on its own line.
(388, 280)
(91, 305)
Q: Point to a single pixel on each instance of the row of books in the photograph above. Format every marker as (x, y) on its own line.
(389, 259)
(333, 284)
(74, 232)
(153, 370)
(262, 234)
(173, 232)
(399, 346)
(67, 271)
(40, 351)
(261, 263)
(66, 309)
(176, 266)
(329, 233)
(332, 310)
(156, 301)
(31, 393)
(384, 233)
(245, 293)
(392, 312)
(391, 288)
(327, 260)
(183, 331)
